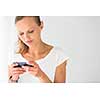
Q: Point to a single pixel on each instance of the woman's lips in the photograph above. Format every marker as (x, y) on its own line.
(29, 41)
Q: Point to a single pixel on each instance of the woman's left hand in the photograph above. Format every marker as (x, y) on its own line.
(35, 70)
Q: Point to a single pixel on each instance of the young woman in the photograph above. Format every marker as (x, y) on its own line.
(48, 62)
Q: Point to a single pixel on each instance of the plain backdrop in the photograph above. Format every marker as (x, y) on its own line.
(79, 36)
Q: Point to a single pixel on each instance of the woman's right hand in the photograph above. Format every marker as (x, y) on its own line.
(13, 73)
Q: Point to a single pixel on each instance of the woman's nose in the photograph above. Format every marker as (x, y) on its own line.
(26, 36)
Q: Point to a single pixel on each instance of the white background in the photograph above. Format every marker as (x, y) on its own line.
(78, 36)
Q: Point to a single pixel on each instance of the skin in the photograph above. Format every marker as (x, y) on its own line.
(30, 33)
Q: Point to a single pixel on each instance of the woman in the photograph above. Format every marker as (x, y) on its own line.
(49, 62)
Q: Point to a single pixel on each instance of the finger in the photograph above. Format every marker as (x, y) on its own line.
(18, 69)
(26, 68)
(33, 63)
(15, 77)
(33, 70)
(12, 65)
(18, 72)
(30, 68)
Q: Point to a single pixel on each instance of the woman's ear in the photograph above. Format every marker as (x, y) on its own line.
(42, 25)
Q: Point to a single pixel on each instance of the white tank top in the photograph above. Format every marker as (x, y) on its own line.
(48, 64)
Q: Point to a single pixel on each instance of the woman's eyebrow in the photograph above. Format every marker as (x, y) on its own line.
(30, 29)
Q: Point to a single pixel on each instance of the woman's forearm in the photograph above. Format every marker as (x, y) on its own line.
(44, 78)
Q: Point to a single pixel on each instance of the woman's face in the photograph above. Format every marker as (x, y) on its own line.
(29, 31)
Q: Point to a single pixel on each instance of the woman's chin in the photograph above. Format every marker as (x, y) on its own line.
(28, 44)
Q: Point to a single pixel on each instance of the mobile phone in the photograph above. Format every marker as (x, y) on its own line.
(20, 64)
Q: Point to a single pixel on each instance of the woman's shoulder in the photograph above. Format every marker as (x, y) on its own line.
(61, 55)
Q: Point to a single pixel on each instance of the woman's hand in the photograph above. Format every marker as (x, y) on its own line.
(14, 73)
(37, 72)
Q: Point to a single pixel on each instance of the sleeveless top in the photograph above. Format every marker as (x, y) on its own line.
(47, 64)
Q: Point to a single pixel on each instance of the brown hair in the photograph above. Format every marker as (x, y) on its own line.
(22, 47)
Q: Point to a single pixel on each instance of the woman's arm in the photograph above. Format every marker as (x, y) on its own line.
(44, 78)
(60, 74)
(37, 72)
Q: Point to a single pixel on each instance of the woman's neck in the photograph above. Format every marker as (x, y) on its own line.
(37, 52)
(37, 49)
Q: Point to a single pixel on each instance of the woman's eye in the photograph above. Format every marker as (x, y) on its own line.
(21, 33)
(31, 31)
